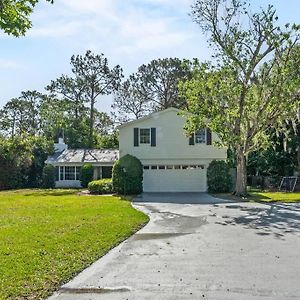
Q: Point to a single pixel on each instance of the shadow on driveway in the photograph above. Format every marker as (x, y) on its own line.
(180, 198)
(268, 219)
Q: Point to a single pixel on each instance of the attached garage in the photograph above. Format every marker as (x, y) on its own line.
(174, 178)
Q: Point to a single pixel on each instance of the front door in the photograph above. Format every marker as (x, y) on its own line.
(106, 172)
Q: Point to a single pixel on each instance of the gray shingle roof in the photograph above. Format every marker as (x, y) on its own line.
(84, 156)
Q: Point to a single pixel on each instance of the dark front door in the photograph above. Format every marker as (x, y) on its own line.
(106, 172)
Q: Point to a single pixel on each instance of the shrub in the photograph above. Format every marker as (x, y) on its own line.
(86, 174)
(49, 176)
(102, 186)
(218, 177)
(131, 181)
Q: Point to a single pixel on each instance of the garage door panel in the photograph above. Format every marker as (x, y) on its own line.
(190, 180)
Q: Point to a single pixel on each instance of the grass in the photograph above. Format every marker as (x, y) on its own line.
(47, 237)
(264, 197)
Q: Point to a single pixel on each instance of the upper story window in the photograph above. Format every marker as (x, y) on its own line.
(145, 136)
(200, 136)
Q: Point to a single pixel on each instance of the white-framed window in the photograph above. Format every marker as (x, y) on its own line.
(69, 173)
(145, 136)
(200, 136)
(174, 167)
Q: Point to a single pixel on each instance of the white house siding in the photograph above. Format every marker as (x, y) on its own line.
(172, 148)
(68, 184)
(171, 140)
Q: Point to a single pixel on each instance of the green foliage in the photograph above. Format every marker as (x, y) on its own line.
(22, 161)
(99, 79)
(14, 15)
(128, 175)
(218, 177)
(253, 85)
(108, 141)
(49, 177)
(102, 186)
(47, 236)
(92, 78)
(153, 87)
(86, 174)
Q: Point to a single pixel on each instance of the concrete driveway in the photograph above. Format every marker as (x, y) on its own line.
(199, 247)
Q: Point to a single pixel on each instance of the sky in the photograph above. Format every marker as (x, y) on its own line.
(129, 33)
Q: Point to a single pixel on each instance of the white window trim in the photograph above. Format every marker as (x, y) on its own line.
(205, 142)
(63, 168)
(149, 136)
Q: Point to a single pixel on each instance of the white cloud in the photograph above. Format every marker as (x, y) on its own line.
(127, 28)
(10, 64)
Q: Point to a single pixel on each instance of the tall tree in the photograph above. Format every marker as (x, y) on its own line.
(130, 100)
(14, 15)
(72, 91)
(159, 82)
(253, 85)
(153, 87)
(99, 79)
(21, 115)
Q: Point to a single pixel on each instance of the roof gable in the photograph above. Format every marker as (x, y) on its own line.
(153, 115)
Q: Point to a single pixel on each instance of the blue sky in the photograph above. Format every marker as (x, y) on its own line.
(129, 33)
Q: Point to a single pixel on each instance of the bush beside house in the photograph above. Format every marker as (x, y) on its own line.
(127, 175)
(86, 175)
(102, 186)
(48, 177)
(219, 179)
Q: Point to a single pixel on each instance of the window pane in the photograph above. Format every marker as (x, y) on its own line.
(185, 167)
(169, 167)
(153, 167)
(78, 169)
(145, 136)
(61, 173)
(192, 167)
(177, 167)
(200, 137)
(146, 167)
(162, 167)
(56, 173)
(69, 173)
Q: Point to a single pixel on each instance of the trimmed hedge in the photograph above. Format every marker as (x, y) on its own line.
(219, 179)
(48, 176)
(131, 181)
(86, 174)
(102, 186)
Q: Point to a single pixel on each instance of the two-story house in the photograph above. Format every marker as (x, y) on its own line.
(172, 161)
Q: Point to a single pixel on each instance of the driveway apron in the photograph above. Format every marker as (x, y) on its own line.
(199, 247)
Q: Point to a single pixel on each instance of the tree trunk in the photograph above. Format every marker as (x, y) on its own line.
(241, 178)
(298, 160)
(91, 141)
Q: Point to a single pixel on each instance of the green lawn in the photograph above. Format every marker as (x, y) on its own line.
(275, 196)
(264, 196)
(49, 236)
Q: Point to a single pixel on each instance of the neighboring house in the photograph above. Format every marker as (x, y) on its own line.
(172, 161)
(69, 161)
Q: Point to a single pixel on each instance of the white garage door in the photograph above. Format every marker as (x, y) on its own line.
(174, 178)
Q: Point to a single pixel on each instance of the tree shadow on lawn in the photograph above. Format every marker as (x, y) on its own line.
(55, 193)
(271, 219)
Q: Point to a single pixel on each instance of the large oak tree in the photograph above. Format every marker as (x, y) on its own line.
(253, 85)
